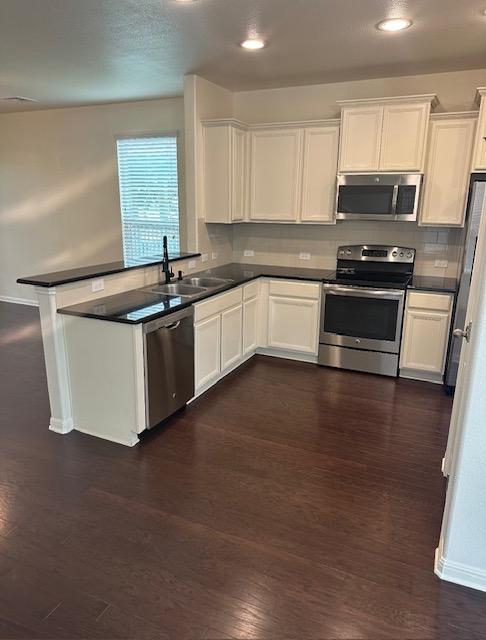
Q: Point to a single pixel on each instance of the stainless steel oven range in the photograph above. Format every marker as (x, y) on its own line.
(362, 308)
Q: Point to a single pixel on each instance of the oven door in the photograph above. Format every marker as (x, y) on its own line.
(362, 318)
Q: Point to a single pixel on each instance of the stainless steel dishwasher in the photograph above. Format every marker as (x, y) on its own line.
(169, 364)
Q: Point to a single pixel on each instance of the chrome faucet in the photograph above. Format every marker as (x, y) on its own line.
(165, 263)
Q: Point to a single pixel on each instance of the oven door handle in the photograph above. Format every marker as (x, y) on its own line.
(363, 292)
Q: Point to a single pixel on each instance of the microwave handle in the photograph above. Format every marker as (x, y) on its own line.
(394, 199)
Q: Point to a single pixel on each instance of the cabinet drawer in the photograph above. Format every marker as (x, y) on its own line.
(250, 290)
(295, 289)
(427, 300)
(217, 304)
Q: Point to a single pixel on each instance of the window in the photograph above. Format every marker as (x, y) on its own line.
(149, 196)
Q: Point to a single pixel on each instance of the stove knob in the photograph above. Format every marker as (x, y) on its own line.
(348, 252)
(409, 254)
(341, 252)
(401, 254)
(394, 254)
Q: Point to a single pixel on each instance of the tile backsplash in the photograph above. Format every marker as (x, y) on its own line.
(282, 244)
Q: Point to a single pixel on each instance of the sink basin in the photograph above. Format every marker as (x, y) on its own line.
(207, 283)
(178, 289)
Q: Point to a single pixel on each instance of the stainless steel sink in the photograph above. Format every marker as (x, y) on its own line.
(207, 283)
(178, 289)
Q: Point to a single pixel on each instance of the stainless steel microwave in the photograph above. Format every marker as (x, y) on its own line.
(386, 196)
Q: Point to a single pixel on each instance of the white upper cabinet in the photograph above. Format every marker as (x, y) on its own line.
(360, 139)
(404, 136)
(479, 156)
(275, 174)
(448, 170)
(319, 174)
(224, 171)
(386, 134)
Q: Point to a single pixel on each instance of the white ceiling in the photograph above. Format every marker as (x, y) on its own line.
(74, 52)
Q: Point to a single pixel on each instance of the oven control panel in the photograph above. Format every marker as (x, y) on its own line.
(376, 253)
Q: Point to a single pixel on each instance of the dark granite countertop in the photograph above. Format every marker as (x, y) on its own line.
(434, 283)
(97, 271)
(141, 305)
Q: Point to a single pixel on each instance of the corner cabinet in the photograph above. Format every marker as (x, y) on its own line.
(425, 335)
(275, 175)
(225, 166)
(448, 170)
(384, 134)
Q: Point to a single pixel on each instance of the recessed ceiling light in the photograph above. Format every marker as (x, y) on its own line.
(394, 24)
(253, 44)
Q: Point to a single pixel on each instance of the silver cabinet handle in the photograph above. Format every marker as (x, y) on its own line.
(463, 333)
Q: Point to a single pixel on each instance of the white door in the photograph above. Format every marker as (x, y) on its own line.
(360, 138)
(424, 342)
(448, 172)
(231, 337)
(321, 146)
(250, 325)
(275, 174)
(403, 138)
(207, 342)
(464, 376)
(292, 324)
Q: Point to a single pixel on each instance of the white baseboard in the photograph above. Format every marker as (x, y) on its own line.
(14, 300)
(422, 376)
(287, 355)
(61, 426)
(458, 573)
(130, 442)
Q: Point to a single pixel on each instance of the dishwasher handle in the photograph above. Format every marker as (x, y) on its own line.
(171, 321)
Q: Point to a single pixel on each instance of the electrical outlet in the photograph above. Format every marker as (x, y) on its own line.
(214, 256)
(192, 264)
(248, 253)
(441, 264)
(204, 257)
(304, 256)
(97, 285)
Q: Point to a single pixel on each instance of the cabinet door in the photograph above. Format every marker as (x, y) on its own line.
(292, 324)
(360, 138)
(250, 325)
(479, 159)
(319, 174)
(275, 174)
(447, 173)
(217, 173)
(403, 137)
(239, 174)
(231, 342)
(207, 345)
(424, 341)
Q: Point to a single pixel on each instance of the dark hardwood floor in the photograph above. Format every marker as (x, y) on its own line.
(288, 502)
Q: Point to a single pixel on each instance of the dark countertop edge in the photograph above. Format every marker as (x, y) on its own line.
(98, 274)
(228, 287)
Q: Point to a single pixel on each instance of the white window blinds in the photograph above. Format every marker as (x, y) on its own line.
(149, 196)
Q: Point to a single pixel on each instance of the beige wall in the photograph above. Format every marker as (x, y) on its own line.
(455, 90)
(59, 203)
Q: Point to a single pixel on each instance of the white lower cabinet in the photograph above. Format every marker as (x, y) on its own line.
(207, 347)
(231, 337)
(425, 335)
(292, 324)
(250, 326)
